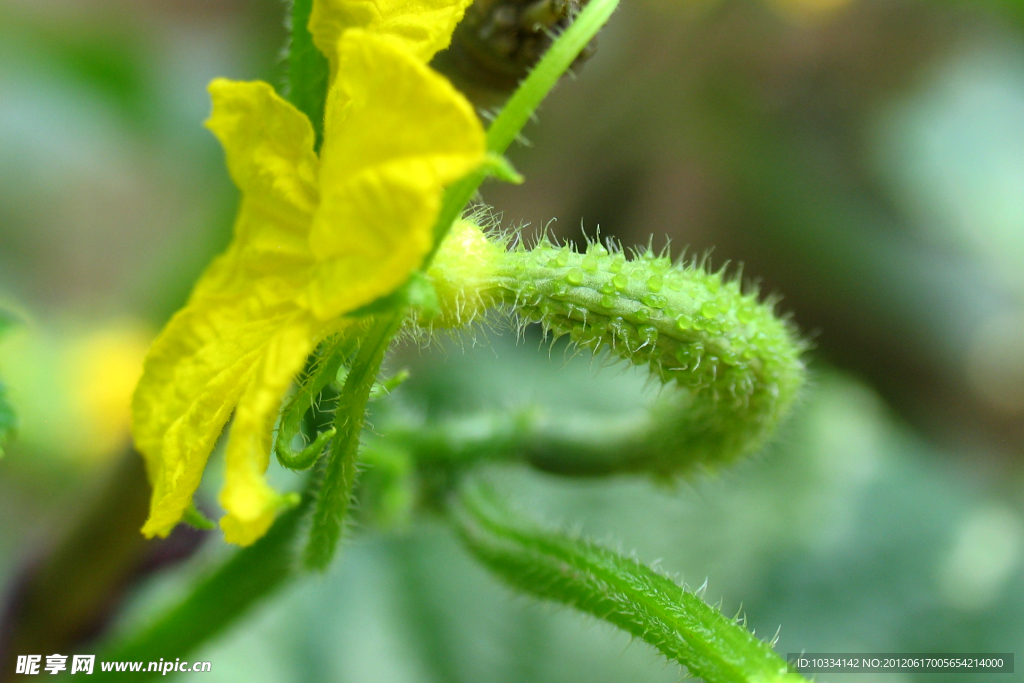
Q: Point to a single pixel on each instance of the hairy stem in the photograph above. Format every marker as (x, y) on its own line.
(324, 371)
(617, 589)
(339, 475)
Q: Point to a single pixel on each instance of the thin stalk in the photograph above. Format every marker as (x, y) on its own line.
(521, 107)
(325, 369)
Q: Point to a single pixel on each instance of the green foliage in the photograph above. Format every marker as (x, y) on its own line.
(8, 420)
(7, 321)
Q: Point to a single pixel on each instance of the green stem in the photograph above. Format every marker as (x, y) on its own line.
(556, 62)
(616, 589)
(559, 443)
(339, 475)
(219, 600)
(521, 106)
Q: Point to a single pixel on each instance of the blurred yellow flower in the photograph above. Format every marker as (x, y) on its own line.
(103, 369)
(315, 239)
(72, 386)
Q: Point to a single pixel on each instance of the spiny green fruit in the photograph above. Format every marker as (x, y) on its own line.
(737, 363)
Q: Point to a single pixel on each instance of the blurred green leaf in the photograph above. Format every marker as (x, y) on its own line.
(307, 69)
(7, 321)
(8, 418)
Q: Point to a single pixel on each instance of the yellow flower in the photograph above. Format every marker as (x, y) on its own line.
(315, 239)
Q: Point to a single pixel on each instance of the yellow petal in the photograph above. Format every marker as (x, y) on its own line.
(193, 376)
(269, 148)
(421, 27)
(250, 502)
(396, 133)
(200, 365)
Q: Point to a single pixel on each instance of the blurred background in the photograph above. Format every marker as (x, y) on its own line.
(862, 158)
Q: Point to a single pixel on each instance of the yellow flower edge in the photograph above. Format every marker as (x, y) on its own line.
(314, 240)
(420, 27)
